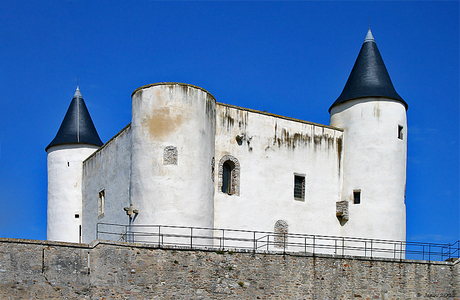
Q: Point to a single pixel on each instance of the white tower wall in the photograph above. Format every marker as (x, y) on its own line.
(168, 190)
(64, 190)
(374, 164)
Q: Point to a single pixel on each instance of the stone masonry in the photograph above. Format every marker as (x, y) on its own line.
(32, 269)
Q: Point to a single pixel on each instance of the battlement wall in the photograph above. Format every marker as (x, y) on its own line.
(109, 270)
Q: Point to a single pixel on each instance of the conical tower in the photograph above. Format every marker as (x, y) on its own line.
(76, 139)
(373, 117)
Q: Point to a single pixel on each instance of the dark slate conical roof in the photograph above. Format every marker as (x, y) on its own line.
(369, 76)
(77, 126)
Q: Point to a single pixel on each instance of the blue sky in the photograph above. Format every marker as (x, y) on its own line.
(289, 58)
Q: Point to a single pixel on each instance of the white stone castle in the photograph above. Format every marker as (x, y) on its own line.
(187, 160)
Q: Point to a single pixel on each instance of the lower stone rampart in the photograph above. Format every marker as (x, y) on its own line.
(108, 270)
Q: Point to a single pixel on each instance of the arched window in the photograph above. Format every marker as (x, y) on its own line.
(229, 175)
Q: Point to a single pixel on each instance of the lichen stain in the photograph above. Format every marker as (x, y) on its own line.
(317, 139)
(227, 120)
(210, 108)
(377, 111)
(290, 140)
(330, 142)
(161, 122)
(339, 151)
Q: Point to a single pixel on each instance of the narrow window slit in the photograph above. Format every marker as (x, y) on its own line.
(299, 187)
(357, 196)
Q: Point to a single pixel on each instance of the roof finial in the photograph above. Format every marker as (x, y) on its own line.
(369, 22)
(369, 37)
(77, 91)
(78, 80)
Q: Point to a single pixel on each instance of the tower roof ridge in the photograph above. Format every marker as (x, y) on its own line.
(369, 76)
(77, 126)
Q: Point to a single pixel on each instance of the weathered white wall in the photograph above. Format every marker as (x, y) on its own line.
(108, 169)
(375, 162)
(361, 151)
(182, 116)
(64, 190)
(273, 148)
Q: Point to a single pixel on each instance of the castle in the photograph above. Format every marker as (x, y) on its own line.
(188, 160)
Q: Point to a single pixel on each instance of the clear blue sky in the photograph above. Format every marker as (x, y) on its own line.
(289, 58)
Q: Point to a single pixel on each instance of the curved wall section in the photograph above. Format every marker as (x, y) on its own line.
(173, 134)
(374, 166)
(64, 191)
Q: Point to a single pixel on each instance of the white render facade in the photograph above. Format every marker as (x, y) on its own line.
(188, 160)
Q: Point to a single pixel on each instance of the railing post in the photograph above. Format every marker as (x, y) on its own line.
(401, 251)
(159, 235)
(429, 252)
(97, 231)
(365, 248)
(335, 247)
(191, 237)
(343, 246)
(223, 239)
(372, 242)
(314, 244)
(305, 245)
(284, 242)
(268, 241)
(254, 241)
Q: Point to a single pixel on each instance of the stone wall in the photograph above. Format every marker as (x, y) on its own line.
(50, 270)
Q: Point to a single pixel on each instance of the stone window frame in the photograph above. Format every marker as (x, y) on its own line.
(235, 174)
(281, 230)
(170, 155)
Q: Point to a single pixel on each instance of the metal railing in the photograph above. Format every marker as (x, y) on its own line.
(231, 239)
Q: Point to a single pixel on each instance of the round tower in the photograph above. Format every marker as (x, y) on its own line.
(173, 135)
(76, 139)
(373, 117)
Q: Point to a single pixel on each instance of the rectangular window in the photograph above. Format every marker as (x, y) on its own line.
(400, 132)
(101, 203)
(299, 187)
(357, 196)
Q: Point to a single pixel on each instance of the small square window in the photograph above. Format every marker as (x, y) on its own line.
(357, 196)
(299, 187)
(400, 132)
(77, 216)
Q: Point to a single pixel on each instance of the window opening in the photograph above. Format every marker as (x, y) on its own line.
(357, 197)
(299, 187)
(101, 203)
(227, 178)
(229, 175)
(400, 132)
(77, 216)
